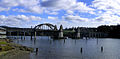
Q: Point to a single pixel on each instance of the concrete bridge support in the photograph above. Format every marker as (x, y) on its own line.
(61, 32)
(78, 33)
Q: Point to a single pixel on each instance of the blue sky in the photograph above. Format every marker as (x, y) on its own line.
(69, 13)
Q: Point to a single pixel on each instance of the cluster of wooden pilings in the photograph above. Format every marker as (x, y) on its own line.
(82, 50)
(78, 34)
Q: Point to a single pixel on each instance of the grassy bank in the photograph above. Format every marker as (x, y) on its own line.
(11, 50)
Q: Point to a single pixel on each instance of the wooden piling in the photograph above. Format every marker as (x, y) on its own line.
(81, 50)
(36, 51)
(101, 48)
(21, 37)
(31, 33)
(64, 40)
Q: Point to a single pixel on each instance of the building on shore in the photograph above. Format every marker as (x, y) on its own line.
(2, 33)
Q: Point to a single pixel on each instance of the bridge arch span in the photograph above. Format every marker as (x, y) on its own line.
(45, 25)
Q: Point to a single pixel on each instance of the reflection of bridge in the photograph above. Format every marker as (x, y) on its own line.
(47, 29)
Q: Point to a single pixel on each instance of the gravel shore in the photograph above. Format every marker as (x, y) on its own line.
(16, 52)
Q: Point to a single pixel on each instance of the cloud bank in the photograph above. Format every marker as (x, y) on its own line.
(68, 12)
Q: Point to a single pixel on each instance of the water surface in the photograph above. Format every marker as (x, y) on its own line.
(71, 48)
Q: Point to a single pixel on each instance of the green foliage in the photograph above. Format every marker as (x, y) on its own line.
(68, 31)
(6, 48)
(3, 43)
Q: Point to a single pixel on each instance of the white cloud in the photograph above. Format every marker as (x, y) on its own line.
(75, 18)
(107, 5)
(51, 12)
(108, 11)
(8, 3)
(81, 7)
(32, 6)
(19, 20)
(107, 18)
(35, 6)
(59, 4)
(52, 18)
(70, 12)
(20, 10)
(4, 9)
(66, 5)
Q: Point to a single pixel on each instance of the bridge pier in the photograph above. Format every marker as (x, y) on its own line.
(61, 32)
(78, 33)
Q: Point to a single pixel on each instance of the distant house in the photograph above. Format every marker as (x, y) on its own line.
(2, 33)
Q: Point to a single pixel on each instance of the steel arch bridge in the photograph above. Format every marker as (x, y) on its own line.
(45, 26)
(46, 29)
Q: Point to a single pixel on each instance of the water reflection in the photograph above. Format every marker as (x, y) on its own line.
(71, 48)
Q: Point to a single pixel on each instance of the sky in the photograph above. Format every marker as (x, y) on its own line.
(69, 13)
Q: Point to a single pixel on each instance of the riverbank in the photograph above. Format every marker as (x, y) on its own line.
(10, 50)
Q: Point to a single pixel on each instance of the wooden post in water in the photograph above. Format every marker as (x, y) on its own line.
(64, 40)
(101, 48)
(97, 41)
(95, 35)
(36, 51)
(31, 33)
(50, 41)
(21, 37)
(81, 50)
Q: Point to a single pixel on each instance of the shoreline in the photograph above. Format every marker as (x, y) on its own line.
(9, 50)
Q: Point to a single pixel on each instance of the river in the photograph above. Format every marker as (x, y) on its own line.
(101, 48)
